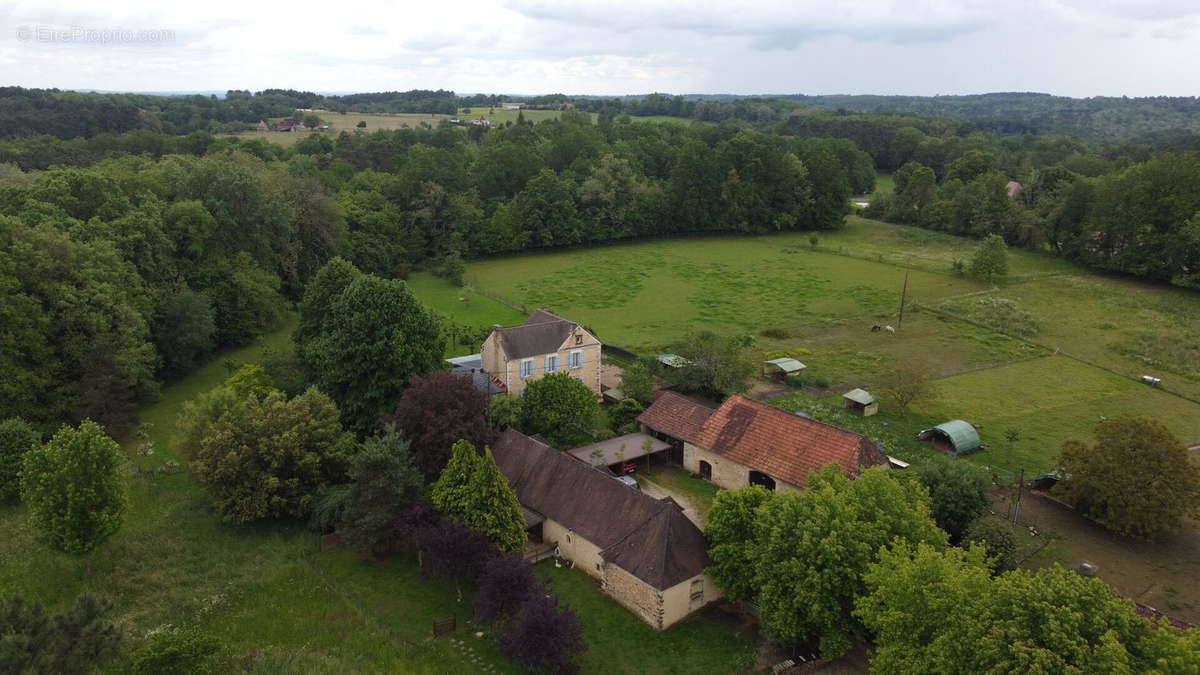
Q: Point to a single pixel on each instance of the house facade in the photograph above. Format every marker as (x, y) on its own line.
(646, 553)
(545, 343)
(745, 442)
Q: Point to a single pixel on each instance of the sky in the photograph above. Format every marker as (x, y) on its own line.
(918, 47)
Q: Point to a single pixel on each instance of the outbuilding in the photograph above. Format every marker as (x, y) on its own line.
(782, 367)
(860, 402)
(955, 437)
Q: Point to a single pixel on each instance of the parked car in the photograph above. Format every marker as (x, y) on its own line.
(630, 481)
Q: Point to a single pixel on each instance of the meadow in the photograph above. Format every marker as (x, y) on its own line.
(348, 122)
(1048, 353)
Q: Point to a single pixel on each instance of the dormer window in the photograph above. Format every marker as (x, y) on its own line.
(578, 339)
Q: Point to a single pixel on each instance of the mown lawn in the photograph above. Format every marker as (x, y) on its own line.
(621, 643)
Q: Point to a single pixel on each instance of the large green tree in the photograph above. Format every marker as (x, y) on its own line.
(384, 482)
(74, 641)
(473, 491)
(560, 408)
(940, 612)
(959, 493)
(817, 545)
(73, 488)
(734, 541)
(720, 365)
(374, 337)
(1136, 478)
(264, 457)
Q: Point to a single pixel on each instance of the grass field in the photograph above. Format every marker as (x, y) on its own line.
(348, 122)
(991, 346)
(499, 116)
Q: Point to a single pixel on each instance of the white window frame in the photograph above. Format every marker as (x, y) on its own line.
(575, 359)
(532, 368)
(556, 367)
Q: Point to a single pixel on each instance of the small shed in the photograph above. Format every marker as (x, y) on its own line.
(860, 402)
(955, 437)
(613, 395)
(782, 367)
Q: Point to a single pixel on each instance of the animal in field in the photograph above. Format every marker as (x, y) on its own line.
(876, 328)
(889, 329)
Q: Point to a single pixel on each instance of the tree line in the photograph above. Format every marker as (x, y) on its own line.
(1142, 219)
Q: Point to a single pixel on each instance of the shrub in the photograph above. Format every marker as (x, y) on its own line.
(544, 637)
(17, 437)
(997, 535)
(175, 652)
(776, 333)
(505, 583)
(74, 641)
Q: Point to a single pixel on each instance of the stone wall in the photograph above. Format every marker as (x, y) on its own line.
(678, 602)
(726, 473)
(639, 597)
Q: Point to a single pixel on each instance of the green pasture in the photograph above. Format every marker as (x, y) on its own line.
(1048, 401)
(497, 115)
(348, 122)
(645, 295)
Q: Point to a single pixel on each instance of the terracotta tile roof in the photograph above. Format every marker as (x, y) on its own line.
(542, 333)
(675, 415)
(780, 444)
(648, 537)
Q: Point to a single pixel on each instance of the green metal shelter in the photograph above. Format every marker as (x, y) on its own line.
(955, 437)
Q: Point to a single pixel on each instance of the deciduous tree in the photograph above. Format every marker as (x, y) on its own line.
(720, 365)
(1136, 478)
(373, 339)
(816, 548)
(996, 534)
(990, 260)
(73, 489)
(436, 410)
(262, 458)
(959, 493)
(909, 382)
(734, 541)
(545, 637)
(505, 583)
(560, 408)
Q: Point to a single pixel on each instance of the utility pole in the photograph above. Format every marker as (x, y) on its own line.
(1020, 486)
(903, 296)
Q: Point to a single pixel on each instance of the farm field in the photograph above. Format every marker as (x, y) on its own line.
(990, 346)
(348, 122)
(498, 115)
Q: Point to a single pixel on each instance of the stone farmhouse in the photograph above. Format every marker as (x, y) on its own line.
(646, 553)
(745, 442)
(545, 343)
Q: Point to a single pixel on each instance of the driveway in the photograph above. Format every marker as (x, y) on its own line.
(658, 492)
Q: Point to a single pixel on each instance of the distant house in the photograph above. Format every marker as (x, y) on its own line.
(1014, 189)
(512, 105)
(955, 437)
(289, 124)
(482, 122)
(262, 126)
(646, 553)
(745, 442)
(860, 402)
(545, 343)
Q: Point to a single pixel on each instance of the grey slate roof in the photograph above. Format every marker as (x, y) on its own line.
(649, 538)
(542, 333)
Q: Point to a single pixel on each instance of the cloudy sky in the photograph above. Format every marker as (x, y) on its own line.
(1069, 47)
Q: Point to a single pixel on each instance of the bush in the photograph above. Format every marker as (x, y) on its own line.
(175, 652)
(544, 637)
(74, 641)
(997, 535)
(776, 333)
(329, 508)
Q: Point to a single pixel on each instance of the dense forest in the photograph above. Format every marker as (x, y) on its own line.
(123, 271)
(1158, 118)
(128, 258)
